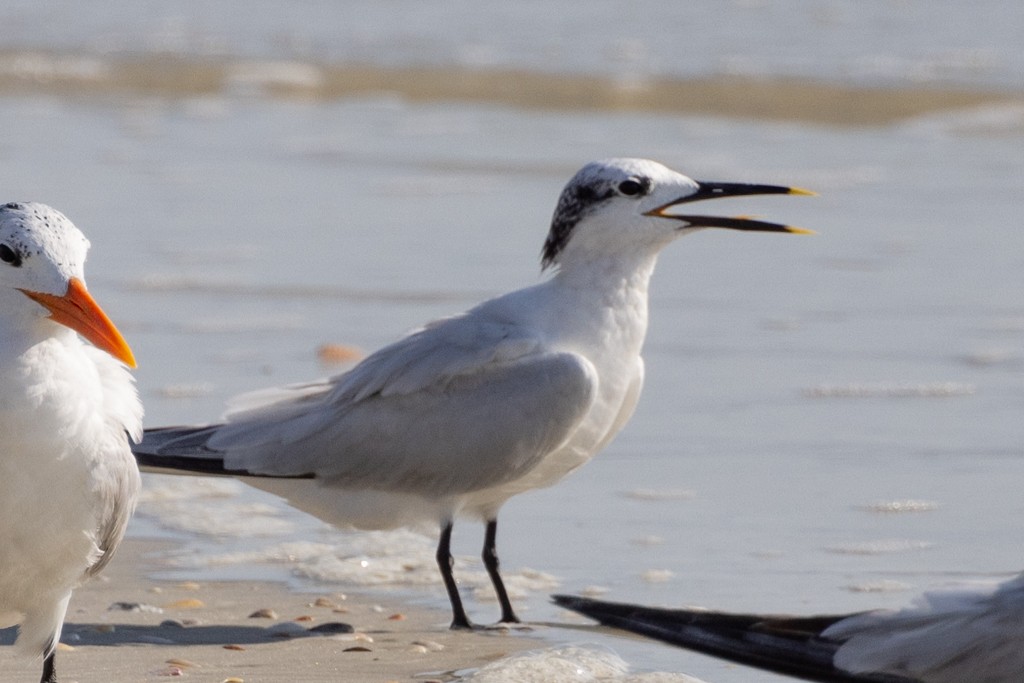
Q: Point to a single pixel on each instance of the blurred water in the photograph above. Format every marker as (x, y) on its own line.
(799, 389)
(872, 41)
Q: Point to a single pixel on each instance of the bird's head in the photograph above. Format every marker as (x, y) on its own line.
(621, 206)
(42, 256)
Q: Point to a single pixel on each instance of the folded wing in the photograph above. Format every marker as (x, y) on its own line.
(457, 406)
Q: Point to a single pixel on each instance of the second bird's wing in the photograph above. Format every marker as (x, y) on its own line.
(460, 405)
(967, 633)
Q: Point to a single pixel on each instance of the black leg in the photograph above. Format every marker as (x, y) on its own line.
(49, 670)
(444, 563)
(508, 615)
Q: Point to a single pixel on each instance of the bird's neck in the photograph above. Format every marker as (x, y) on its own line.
(608, 275)
(19, 333)
(612, 294)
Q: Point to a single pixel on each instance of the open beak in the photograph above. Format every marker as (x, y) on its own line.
(707, 190)
(79, 311)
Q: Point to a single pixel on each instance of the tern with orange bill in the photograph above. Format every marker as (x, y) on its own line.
(68, 405)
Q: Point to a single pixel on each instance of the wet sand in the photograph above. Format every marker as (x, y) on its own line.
(128, 627)
(768, 98)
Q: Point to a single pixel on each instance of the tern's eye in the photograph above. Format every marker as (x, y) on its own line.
(8, 255)
(634, 187)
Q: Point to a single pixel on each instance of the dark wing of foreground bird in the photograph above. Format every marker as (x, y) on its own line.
(792, 646)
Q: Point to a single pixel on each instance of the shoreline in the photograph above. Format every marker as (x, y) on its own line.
(125, 625)
(769, 98)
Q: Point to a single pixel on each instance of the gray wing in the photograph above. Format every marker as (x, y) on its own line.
(115, 476)
(460, 405)
(118, 493)
(968, 634)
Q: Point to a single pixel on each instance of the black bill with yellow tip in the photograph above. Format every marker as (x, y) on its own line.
(715, 190)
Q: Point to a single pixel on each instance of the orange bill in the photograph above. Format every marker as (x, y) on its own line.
(79, 311)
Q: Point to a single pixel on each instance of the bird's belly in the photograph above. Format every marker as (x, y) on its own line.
(357, 508)
(47, 498)
(47, 542)
(364, 507)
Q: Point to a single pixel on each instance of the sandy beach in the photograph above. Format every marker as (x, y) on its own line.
(828, 424)
(128, 627)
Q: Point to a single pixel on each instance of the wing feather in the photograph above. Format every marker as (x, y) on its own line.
(947, 636)
(444, 349)
(456, 406)
(115, 477)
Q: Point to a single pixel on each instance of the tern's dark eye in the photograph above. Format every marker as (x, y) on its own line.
(8, 255)
(634, 187)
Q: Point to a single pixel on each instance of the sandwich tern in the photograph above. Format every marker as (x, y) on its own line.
(467, 411)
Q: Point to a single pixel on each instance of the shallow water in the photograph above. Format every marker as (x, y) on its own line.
(873, 41)
(829, 423)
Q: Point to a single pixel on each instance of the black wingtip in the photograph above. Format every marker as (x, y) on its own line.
(178, 441)
(180, 464)
(179, 449)
(791, 646)
(565, 600)
(184, 450)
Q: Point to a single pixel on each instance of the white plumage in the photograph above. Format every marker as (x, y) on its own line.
(468, 411)
(68, 482)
